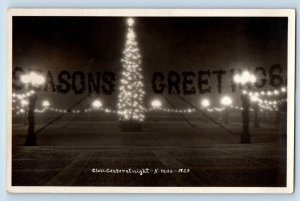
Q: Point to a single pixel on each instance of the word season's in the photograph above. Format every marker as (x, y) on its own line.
(171, 82)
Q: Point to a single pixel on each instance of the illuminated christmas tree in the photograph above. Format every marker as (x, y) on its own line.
(131, 89)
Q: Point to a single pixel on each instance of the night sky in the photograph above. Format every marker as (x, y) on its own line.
(166, 43)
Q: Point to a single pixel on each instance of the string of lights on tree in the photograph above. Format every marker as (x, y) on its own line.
(131, 89)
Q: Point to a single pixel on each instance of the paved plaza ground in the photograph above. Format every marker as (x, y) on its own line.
(209, 165)
(204, 155)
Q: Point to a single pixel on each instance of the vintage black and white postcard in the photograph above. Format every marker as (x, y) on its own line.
(150, 100)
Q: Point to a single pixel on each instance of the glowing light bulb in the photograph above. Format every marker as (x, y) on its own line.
(237, 79)
(245, 77)
(252, 78)
(24, 102)
(205, 102)
(226, 101)
(130, 21)
(254, 98)
(45, 103)
(97, 104)
(36, 79)
(156, 104)
(25, 79)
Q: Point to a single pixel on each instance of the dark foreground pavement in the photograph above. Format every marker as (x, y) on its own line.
(260, 164)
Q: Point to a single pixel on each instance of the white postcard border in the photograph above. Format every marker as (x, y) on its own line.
(290, 13)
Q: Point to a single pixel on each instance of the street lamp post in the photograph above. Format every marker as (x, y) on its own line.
(226, 101)
(245, 137)
(156, 104)
(243, 79)
(30, 81)
(97, 104)
(205, 103)
(255, 99)
(256, 121)
(24, 104)
(31, 136)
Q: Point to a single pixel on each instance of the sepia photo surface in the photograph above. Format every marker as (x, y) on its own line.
(181, 101)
